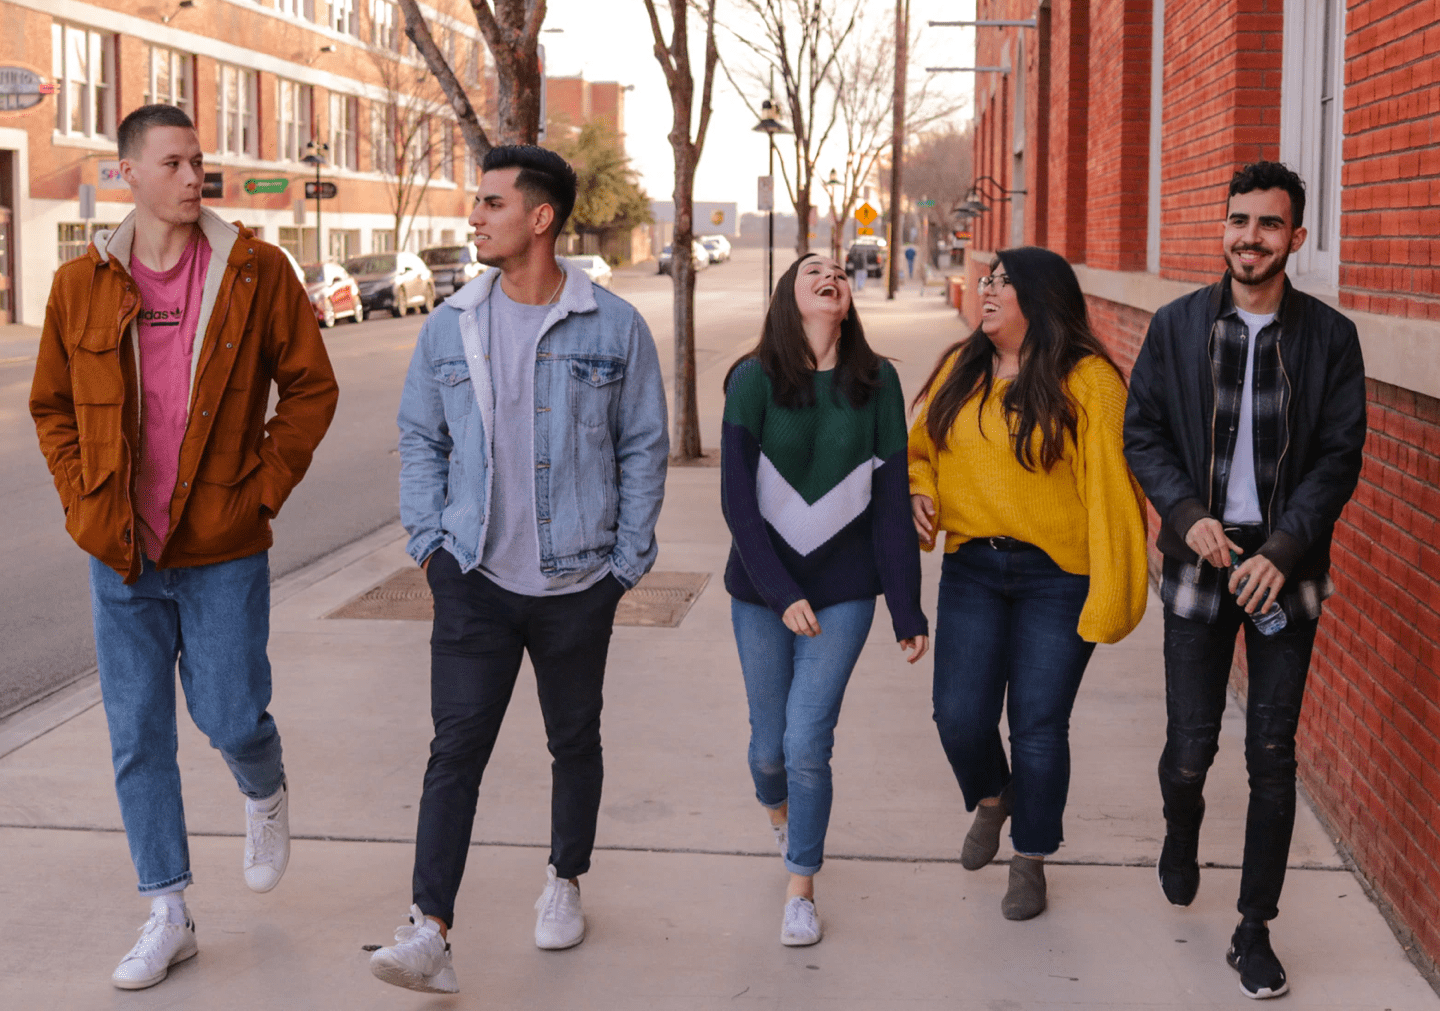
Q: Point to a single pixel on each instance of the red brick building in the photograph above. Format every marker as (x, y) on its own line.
(1110, 130)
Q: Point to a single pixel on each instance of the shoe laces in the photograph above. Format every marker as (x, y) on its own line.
(559, 900)
(799, 914)
(152, 932)
(416, 930)
(262, 836)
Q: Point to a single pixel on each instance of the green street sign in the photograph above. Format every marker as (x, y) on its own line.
(266, 185)
(925, 203)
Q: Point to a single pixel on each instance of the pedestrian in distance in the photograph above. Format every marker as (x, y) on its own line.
(857, 266)
(814, 490)
(533, 453)
(156, 359)
(909, 262)
(1246, 429)
(1016, 453)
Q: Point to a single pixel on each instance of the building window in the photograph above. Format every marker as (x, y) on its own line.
(472, 63)
(297, 8)
(1312, 129)
(292, 105)
(170, 79)
(344, 17)
(447, 151)
(382, 240)
(236, 104)
(382, 138)
(344, 127)
(299, 243)
(384, 21)
(83, 65)
(75, 236)
(344, 243)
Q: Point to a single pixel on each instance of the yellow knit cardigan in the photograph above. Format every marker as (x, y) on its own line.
(1085, 512)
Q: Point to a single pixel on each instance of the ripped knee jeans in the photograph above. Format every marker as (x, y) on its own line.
(1197, 672)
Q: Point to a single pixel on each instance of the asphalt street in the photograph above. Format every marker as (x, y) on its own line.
(349, 491)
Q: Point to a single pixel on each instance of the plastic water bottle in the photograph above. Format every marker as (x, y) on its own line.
(1266, 622)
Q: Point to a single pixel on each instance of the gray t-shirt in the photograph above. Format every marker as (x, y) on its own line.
(511, 553)
(1242, 495)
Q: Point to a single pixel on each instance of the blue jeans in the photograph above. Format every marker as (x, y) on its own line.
(1006, 622)
(795, 685)
(215, 620)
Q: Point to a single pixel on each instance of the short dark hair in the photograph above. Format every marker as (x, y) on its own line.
(544, 177)
(135, 126)
(1271, 175)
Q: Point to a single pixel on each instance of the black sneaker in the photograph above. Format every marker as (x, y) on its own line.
(1250, 954)
(1179, 870)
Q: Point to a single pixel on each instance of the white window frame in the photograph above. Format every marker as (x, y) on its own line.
(1312, 132)
(293, 115)
(345, 17)
(384, 25)
(344, 129)
(238, 137)
(95, 89)
(179, 69)
(447, 150)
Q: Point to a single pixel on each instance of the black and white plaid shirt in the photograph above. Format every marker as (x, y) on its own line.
(1195, 590)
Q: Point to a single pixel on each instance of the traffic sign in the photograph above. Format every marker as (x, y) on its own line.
(326, 190)
(864, 231)
(765, 194)
(266, 185)
(865, 214)
(214, 187)
(925, 203)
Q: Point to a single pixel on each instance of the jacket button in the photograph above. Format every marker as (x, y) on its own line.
(247, 280)
(184, 484)
(204, 414)
(229, 345)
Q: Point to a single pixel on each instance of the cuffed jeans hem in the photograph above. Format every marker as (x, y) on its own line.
(176, 884)
(807, 872)
(1048, 853)
(772, 807)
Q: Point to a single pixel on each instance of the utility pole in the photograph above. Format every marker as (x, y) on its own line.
(897, 145)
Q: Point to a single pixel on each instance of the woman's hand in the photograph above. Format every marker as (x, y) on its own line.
(923, 509)
(917, 647)
(799, 619)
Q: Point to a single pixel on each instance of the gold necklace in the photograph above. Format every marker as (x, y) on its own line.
(558, 288)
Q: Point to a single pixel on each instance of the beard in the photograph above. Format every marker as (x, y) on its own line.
(1258, 274)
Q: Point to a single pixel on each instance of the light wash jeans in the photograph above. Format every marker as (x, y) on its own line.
(215, 620)
(795, 685)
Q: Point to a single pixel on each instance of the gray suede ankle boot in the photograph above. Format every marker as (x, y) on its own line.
(982, 842)
(1025, 897)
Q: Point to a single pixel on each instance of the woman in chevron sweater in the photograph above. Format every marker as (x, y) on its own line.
(1018, 445)
(814, 488)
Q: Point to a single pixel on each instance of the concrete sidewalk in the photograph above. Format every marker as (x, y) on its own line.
(685, 894)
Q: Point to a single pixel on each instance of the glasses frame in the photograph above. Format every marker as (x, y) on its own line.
(998, 281)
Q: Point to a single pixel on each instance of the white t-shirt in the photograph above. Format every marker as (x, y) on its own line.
(1242, 496)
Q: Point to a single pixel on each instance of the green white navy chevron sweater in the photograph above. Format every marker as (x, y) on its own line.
(818, 498)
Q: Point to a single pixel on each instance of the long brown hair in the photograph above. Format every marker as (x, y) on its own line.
(1057, 338)
(786, 356)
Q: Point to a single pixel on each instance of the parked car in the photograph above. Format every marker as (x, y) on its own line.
(394, 281)
(699, 256)
(871, 250)
(717, 246)
(453, 267)
(595, 268)
(294, 265)
(333, 293)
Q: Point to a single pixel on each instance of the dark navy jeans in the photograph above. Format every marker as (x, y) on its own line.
(1005, 637)
(1197, 677)
(215, 621)
(481, 632)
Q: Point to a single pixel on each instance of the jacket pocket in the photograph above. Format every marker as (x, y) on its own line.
(223, 511)
(595, 388)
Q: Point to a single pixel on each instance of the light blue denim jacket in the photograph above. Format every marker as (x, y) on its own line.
(601, 442)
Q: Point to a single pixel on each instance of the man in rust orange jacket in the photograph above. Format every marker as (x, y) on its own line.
(150, 395)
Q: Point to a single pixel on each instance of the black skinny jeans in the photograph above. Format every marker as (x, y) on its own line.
(479, 635)
(1197, 672)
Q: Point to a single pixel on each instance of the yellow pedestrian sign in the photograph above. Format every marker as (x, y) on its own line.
(865, 214)
(864, 231)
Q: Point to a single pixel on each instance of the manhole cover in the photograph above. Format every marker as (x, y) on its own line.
(661, 600)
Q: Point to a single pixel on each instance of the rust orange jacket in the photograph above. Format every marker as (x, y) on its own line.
(256, 326)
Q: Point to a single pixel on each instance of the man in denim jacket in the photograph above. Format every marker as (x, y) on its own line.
(533, 452)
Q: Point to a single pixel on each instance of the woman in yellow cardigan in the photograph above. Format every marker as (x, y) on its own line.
(1016, 453)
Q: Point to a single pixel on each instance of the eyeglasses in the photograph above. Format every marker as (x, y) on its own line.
(996, 281)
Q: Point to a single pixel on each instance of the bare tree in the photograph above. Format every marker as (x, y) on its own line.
(798, 41)
(511, 29)
(405, 134)
(938, 168)
(674, 60)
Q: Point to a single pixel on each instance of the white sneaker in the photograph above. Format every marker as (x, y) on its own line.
(801, 926)
(267, 840)
(561, 923)
(782, 837)
(161, 945)
(418, 960)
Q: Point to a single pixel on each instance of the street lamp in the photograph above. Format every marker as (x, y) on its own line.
(315, 152)
(830, 185)
(769, 125)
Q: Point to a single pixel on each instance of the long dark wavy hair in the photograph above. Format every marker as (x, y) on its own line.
(1057, 339)
(786, 357)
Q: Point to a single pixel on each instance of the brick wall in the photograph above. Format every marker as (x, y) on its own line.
(1118, 158)
(1069, 111)
(1390, 224)
(1221, 109)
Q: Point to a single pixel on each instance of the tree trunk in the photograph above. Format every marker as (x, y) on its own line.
(802, 227)
(897, 149)
(686, 443)
(518, 96)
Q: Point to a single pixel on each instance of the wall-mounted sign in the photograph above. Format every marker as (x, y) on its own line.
(110, 177)
(326, 190)
(214, 187)
(21, 89)
(717, 217)
(266, 185)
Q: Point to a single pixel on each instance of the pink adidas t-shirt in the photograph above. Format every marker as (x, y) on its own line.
(169, 315)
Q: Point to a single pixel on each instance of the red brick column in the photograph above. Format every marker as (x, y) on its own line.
(1069, 111)
(1118, 155)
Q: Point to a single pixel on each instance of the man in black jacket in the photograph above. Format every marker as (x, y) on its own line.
(1245, 427)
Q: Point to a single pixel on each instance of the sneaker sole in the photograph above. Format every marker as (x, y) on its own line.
(561, 946)
(1265, 993)
(800, 942)
(145, 984)
(398, 975)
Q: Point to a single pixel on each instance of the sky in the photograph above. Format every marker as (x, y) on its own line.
(618, 46)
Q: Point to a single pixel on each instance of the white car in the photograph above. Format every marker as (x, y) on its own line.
(595, 268)
(717, 246)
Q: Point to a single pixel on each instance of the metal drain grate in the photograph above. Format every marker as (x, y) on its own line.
(661, 600)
